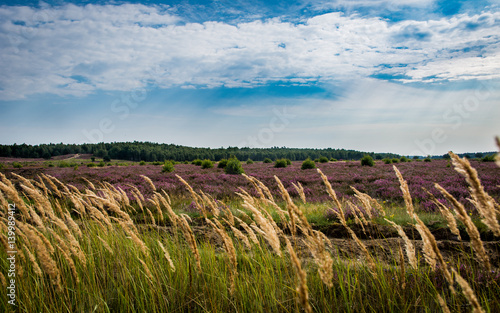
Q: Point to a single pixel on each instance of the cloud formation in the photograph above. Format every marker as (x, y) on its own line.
(77, 50)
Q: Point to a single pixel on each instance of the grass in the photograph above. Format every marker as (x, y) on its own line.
(124, 269)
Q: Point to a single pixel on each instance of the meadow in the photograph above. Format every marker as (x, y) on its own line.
(340, 238)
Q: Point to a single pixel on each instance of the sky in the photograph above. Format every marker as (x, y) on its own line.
(413, 77)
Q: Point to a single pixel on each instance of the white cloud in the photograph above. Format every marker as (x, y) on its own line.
(73, 50)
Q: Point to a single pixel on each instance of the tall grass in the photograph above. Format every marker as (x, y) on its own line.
(81, 251)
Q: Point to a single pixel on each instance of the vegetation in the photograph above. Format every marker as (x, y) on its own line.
(280, 163)
(149, 152)
(308, 164)
(267, 160)
(113, 253)
(167, 167)
(233, 167)
(367, 161)
(249, 161)
(206, 164)
(323, 159)
(222, 163)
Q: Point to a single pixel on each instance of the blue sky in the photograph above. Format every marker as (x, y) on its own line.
(409, 77)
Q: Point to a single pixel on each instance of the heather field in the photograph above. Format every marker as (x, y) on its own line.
(128, 237)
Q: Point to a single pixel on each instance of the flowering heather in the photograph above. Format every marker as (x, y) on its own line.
(379, 181)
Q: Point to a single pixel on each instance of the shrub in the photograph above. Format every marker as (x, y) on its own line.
(197, 162)
(403, 159)
(387, 161)
(233, 167)
(207, 164)
(427, 159)
(280, 163)
(333, 160)
(267, 160)
(158, 162)
(75, 168)
(316, 160)
(92, 159)
(249, 161)
(367, 161)
(101, 164)
(167, 167)
(17, 165)
(222, 163)
(488, 158)
(2, 166)
(90, 165)
(288, 162)
(106, 158)
(308, 164)
(323, 159)
(394, 160)
(142, 163)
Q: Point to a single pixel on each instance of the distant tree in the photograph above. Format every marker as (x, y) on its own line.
(106, 158)
(167, 167)
(233, 166)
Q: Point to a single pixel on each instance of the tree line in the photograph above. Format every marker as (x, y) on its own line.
(150, 152)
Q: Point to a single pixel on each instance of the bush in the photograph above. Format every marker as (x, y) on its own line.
(280, 163)
(387, 161)
(249, 161)
(106, 158)
(197, 162)
(427, 159)
(288, 162)
(207, 164)
(2, 166)
(92, 159)
(222, 163)
(233, 167)
(403, 159)
(101, 164)
(158, 162)
(367, 161)
(394, 160)
(142, 163)
(323, 159)
(17, 165)
(488, 158)
(90, 165)
(167, 167)
(308, 164)
(333, 160)
(316, 160)
(267, 160)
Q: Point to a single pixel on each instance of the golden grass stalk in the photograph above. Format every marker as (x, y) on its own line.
(167, 256)
(484, 202)
(153, 221)
(267, 228)
(249, 231)
(133, 235)
(471, 229)
(409, 247)
(242, 237)
(450, 218)
(138, 200)
(89, 183)
(188, 234)
(146, 269)
(442, 303)
(365, 201)
(10, 191)
(3, 202)
(71, 264)
(300, 191)
(106, 245)
(3, 280)
(32, 259)
(257, 187)
(357, 214)
(369, 259)
(75, 245)
(469, 293)
(44, 254)
(72, 224)
(230, 250)
(197, 199)
(24, 180)
(406, 192)
(432, 254)
(210, 203)
(149, 181)
(302, 289)
(171, 214)
(58, 182)
(332, 193)
(53, 188)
